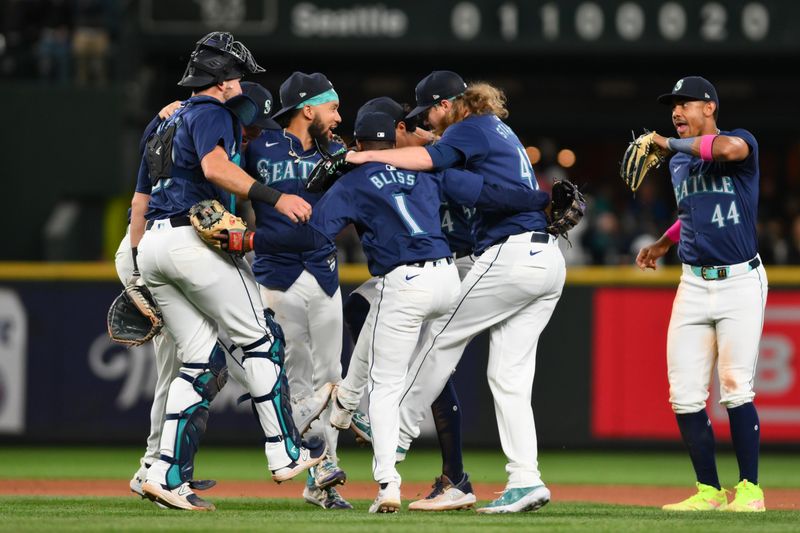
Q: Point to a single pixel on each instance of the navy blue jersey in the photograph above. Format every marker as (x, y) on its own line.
(143, 183)
(457, 226)
(717, 206)
(269, 161)
(396, 211)
(203, 127)
(492, 149)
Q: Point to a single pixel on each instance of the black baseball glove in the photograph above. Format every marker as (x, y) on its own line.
(134, 317)
(327, 170)
(566, 209)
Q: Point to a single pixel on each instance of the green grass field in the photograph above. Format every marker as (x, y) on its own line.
(130, 514)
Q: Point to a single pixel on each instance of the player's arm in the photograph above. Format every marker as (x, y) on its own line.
(722, 148)
(139, 205)
(407, 158)
(648, 255)
(220, 171)
(471, 190)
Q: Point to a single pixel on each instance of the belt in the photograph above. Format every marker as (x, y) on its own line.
(432, 262)
(175, 222)
(711, 273)
(535, 237)
(462, 253)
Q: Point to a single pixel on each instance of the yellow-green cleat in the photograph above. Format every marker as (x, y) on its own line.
(708, 498)
(749, 498)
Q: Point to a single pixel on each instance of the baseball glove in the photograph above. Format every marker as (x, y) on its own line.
(134, 317)
(641, 156)
(327, 170)
(209, 219)
(566, 209)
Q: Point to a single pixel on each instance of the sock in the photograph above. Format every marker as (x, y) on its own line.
(746, 433)
(699, 439)
(446, 411)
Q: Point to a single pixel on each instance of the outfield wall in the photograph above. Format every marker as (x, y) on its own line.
(601, 372)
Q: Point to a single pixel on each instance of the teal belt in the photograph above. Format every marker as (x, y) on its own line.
(710, 273)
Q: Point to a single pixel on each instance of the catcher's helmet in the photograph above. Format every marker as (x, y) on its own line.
(218, 57)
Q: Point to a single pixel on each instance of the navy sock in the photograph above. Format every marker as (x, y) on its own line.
(446, 411)
(699, 439)
(746, 433)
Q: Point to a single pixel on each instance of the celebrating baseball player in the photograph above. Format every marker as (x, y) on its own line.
(718, 311)
(512, 288)
(303, 288)
(397, 212)
(452, 490)
(191, 159)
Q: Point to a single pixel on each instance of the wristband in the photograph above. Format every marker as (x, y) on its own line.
(260, 192)
(681, 145)
(706, 144)
(674, 232)
(249, 239)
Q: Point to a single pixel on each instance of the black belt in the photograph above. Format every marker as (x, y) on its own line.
(535, 237)
(421, 264)
(175, 222)
(463, 253)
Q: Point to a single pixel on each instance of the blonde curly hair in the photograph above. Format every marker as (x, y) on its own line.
(479, 98)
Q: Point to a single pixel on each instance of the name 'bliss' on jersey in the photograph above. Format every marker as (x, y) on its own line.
(718, 206)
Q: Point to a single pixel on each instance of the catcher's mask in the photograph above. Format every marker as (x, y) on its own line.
(217, 57)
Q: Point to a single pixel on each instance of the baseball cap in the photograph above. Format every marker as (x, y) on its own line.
(692, 88)
(437, 86)
(382, 104)
(263, 100)
(374, 126)
(300, 87)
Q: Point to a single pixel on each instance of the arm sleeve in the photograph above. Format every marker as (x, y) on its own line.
(465, 141)
(212, 128)
(444, 156)
(470, 190)
(143, 183)
(301, 239)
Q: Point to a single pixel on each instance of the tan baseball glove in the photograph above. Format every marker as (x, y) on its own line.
(210, 218)
(641, 157)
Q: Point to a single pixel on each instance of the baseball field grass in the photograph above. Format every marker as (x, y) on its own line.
(27, 511)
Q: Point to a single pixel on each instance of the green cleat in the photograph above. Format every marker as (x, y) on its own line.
(519, 500)
(708, 498)
(749, 498)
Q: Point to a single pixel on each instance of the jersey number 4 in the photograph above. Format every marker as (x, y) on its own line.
(733, 214)
(526, 169)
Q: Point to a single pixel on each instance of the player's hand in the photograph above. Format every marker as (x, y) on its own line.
(648, 255)
(294, 208)
(356, 158)
(236, 242)
(169, 110)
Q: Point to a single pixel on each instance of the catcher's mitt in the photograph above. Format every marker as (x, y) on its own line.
(210, 218)
(134, 317)
(567, 207)
(641, 156)
(327, 170)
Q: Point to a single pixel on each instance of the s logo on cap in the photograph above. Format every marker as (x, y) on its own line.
(678, 86)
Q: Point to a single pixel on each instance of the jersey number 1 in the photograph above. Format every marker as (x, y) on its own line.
(405, 214)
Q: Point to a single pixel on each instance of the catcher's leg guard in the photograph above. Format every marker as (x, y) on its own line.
(205, 381)
(272, 409)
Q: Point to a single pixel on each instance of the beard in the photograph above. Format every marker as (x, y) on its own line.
(319, 133)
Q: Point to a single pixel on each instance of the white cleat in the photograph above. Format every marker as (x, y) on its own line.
(388, 499)
(139, 478)
(309, 456)
(341, 418)
(447, 496)
(181, 497)
(305, 411)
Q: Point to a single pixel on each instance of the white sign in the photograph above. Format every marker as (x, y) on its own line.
(13, 344)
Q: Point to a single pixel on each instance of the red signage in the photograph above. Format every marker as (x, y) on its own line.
(630, 392)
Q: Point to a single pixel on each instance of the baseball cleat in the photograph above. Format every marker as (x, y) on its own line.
(708, 498)
(447, 496)
(326, 498)
(359, 423)
(328, 474)
(305, 411)
(519, 500)
(388, 499)
(311, 454)
(340, 417)
(139, 478)
(749, 498)
(180, 497)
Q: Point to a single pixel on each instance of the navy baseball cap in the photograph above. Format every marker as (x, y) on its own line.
(301, 87)
(375, 126)
(437, 86)
(383, 104)
(263, 100)
(691, 88)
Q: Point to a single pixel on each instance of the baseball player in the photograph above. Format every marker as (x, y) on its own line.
(402, 238)
(303, 288)
(452, 490)
(512, 288)
(718, 311)
(190, 158)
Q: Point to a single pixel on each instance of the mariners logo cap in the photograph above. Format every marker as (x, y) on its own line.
(437, 86)
(263, 101)
(383, 104)
(375, 126)
(691, 88)
(300, 87)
